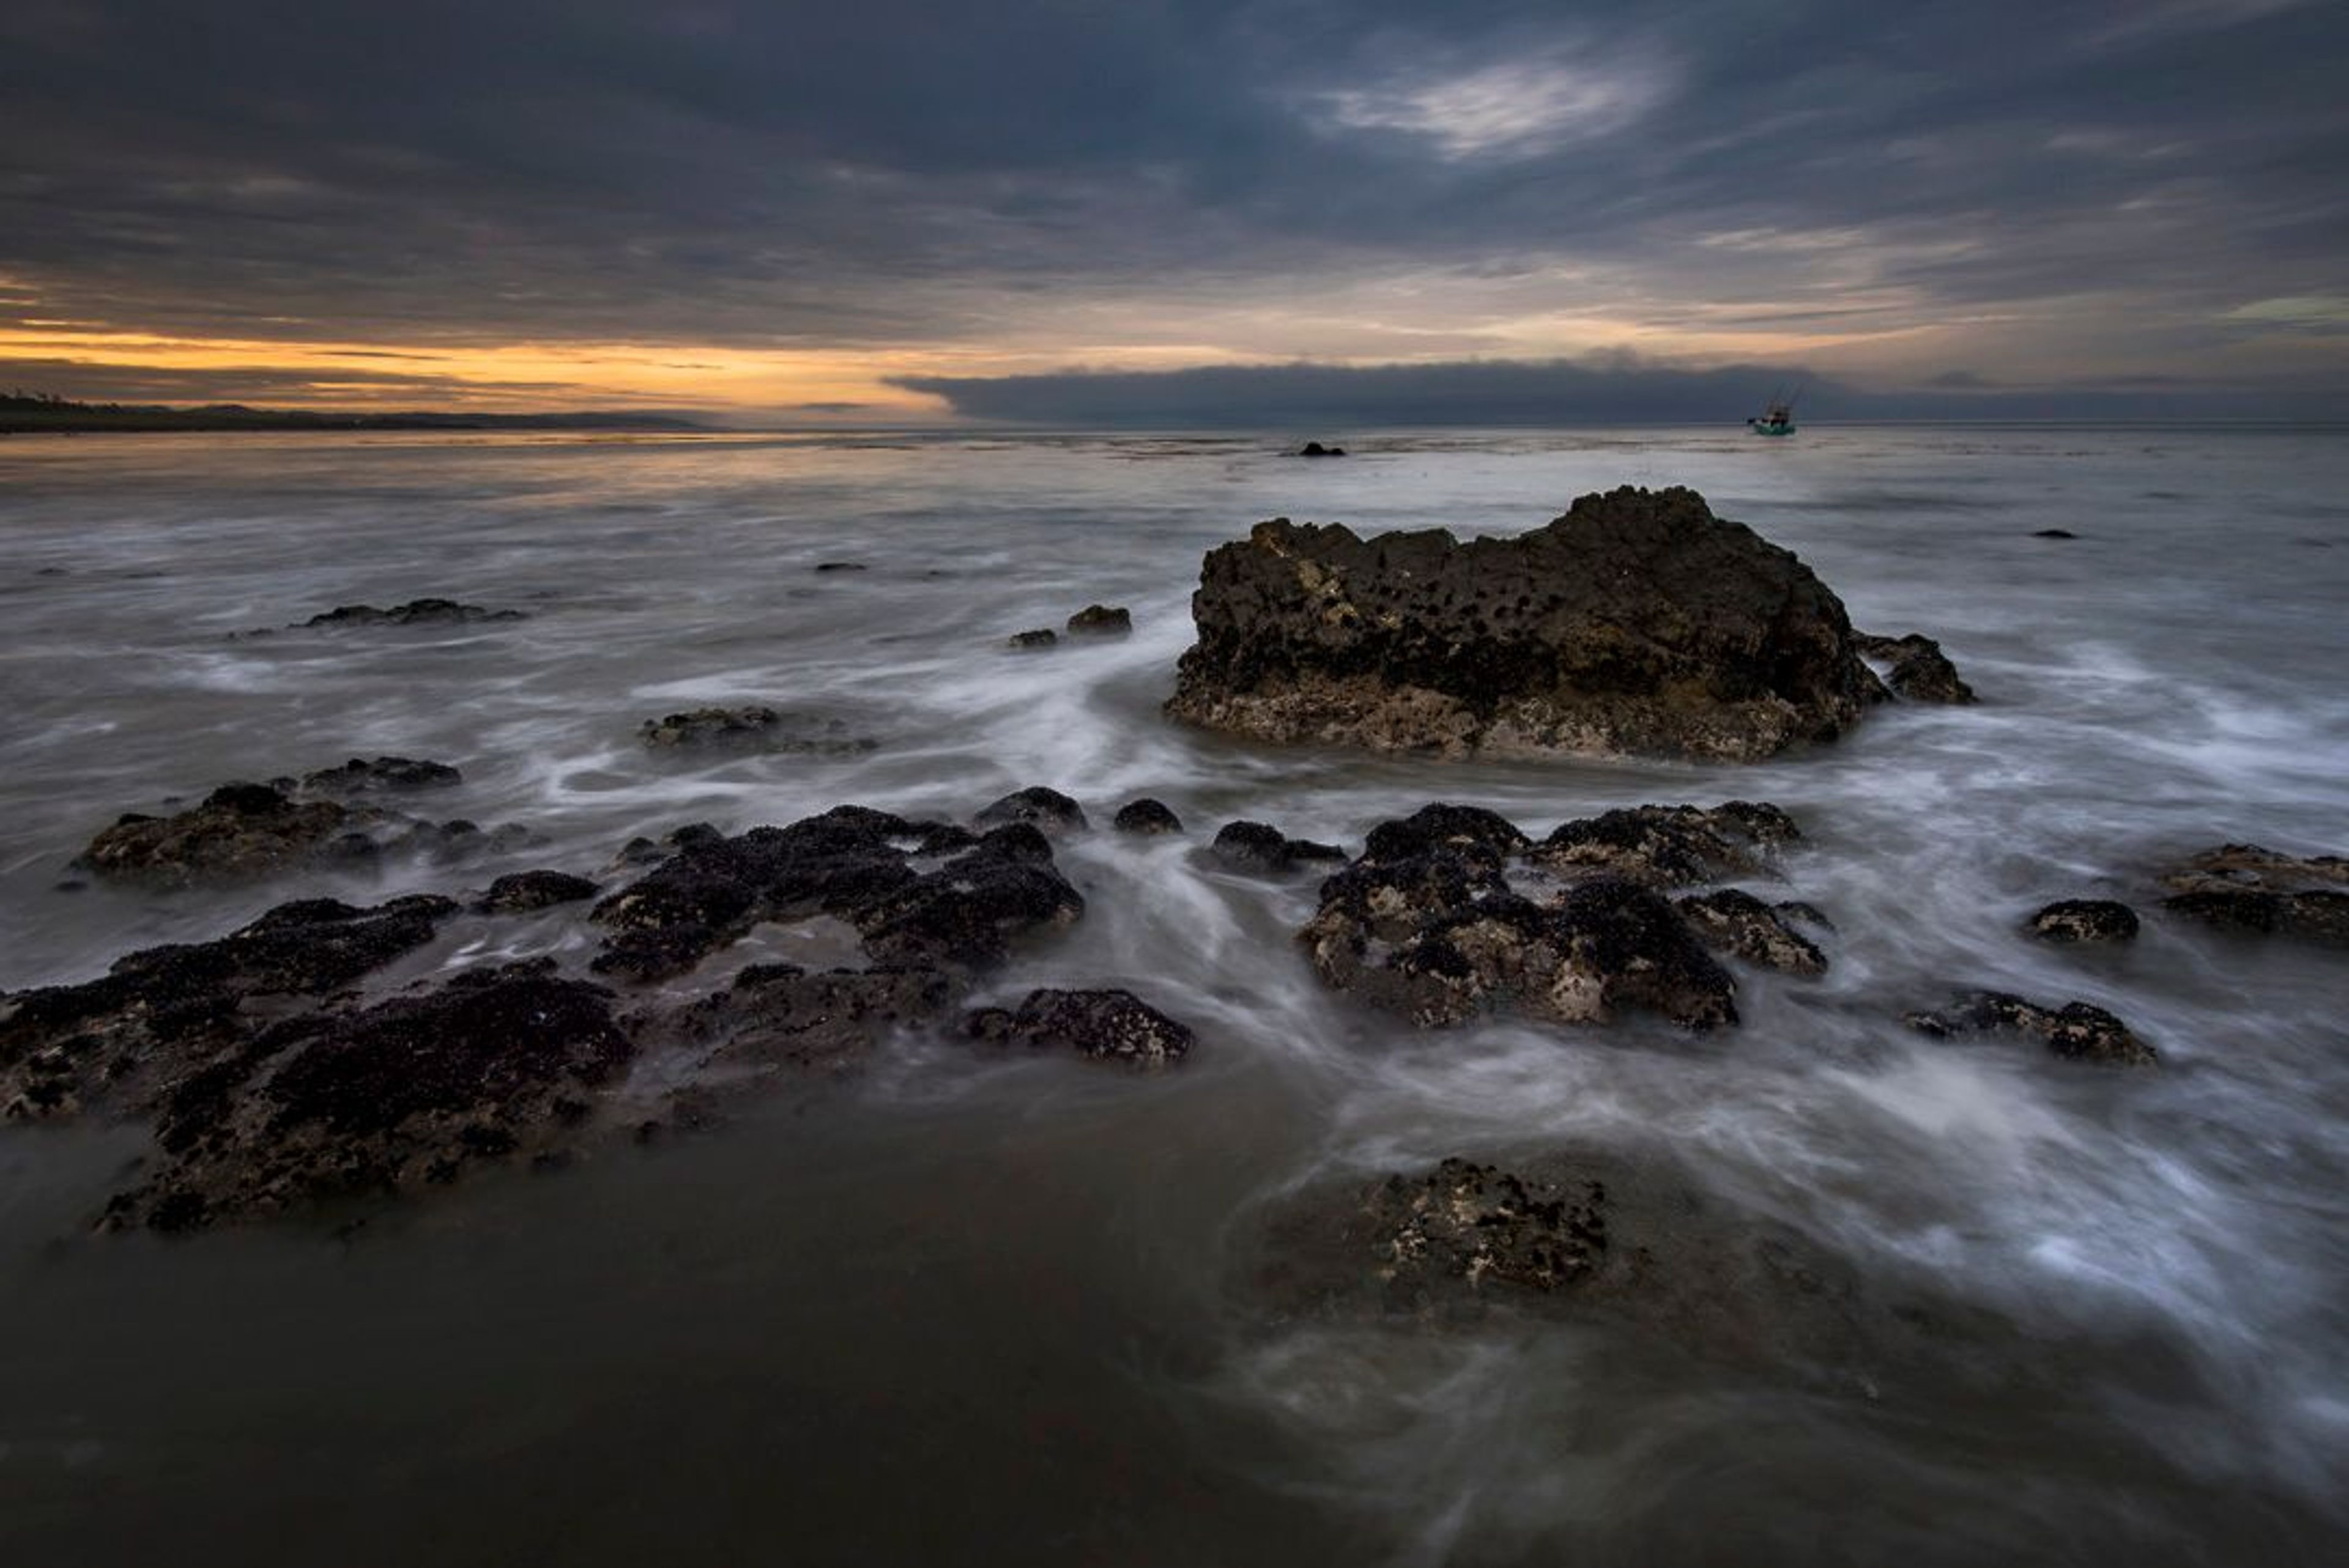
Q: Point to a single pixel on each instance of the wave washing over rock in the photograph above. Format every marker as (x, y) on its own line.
(877, 1090)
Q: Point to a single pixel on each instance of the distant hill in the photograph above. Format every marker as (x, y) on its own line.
(28, 413)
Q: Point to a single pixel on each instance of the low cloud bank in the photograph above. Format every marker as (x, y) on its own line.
(1564, 392)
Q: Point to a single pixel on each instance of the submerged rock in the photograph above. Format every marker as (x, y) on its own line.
(1585, 1235)
(1147, 816)
(1265, 850)
(1917, 671)
(1111, 1025)
(1042, 637)
(2083, 920)
(782, 1016)
(415, 613)
(360, 775)
(2245, 887)
(1101, 621)
(1637, 623)
(2077, 1030)
(492, 1066)
(1036, 806)
(752, 729)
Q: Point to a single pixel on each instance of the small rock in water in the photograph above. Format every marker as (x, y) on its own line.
(1262, 848)
(1918, 671)
(840, 566)
(2077, 1030)
(1037, 805)
(1316, 450)
(1147, 816)
(2245, 887)
(2054, 534)
(361, 776)
(415, 613)
(752, 729)
(525, 893)
(1101, 621)
(1032, 642)
(1107, 1025)
(2072, 920)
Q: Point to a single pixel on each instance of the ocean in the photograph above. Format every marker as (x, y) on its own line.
(960, 1307)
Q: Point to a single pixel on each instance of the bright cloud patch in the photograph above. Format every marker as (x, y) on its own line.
(1517, 107)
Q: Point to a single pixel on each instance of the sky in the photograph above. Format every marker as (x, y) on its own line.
(1181, 212)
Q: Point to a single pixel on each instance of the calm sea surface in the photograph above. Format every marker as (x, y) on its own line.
(961, 1310)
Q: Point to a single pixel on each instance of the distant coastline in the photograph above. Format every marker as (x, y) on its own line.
(22, 415)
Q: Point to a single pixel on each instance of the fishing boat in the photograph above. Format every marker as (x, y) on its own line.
(1777, 419)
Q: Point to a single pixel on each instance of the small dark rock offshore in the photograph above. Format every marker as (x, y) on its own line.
(1265, 850)
(1638, 623)
(2083, 920)
(1034, 641)
(1316, 450)
(1427, 924)
(840, 566)
(415, 613)
(1101, 621)
(2247, 889)
(243, 831)
(1036, 806)
(752, 729)
(1917, 670)
(1147, 816)
(2054, 534)
(1106, 1025)
(2077, 1031)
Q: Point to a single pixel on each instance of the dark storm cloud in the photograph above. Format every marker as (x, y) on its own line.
(1615, 391)
(897, 173)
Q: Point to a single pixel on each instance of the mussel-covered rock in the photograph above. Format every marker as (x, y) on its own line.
(2245, 887)
(2079, 1031)
(1263, 850)
(1667, 846)
(492, 1066)
(1732, 921)
(2083, 920)
(1638, 623)
(1105, 1025)
(1146, 816)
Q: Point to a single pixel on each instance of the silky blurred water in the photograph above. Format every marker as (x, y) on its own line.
(956, 1310)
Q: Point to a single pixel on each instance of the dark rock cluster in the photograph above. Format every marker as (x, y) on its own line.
(1637, 623)
(242, 831)
(752, 729)
(1426, 923)
(2077, 1030)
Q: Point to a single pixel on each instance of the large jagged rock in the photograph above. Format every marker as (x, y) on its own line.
(1638, 623)
(492, 1066)
(2245, 887)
